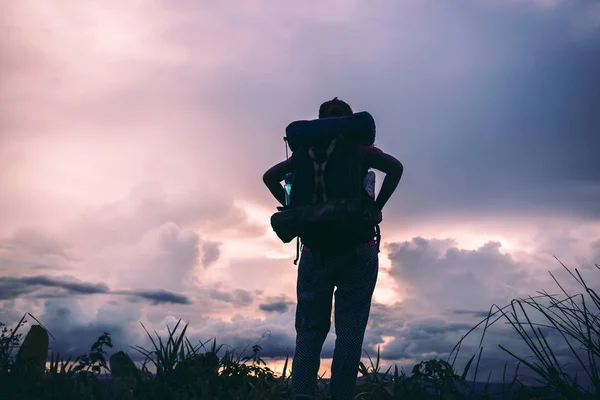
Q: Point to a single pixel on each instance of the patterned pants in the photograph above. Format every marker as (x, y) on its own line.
(354, 274)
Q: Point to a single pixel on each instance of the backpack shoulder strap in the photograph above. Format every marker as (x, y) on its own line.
(319, 167)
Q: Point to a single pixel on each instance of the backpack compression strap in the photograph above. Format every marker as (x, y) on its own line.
(320, 169)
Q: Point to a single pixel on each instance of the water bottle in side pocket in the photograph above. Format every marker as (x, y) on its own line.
(288, 188)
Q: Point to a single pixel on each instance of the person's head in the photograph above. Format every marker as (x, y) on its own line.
(334, 108)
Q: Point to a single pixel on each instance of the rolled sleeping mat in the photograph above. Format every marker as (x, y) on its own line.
(359, 126)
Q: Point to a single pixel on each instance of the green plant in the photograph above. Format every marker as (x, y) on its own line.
(183, 371)
(9, 340)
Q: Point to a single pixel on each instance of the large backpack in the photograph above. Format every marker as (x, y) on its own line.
(329, 206)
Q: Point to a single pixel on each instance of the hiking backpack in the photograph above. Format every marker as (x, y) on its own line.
(329, 207)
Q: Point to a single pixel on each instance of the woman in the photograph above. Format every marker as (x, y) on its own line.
(353, 273)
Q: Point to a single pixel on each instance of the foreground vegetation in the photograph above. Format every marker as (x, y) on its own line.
(207, 371)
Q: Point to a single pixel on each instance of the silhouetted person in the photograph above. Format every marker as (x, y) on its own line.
(347, 262)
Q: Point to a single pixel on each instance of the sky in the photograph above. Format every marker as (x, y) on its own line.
(134, 136)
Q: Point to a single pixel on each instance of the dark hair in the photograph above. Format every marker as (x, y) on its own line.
(334, 108)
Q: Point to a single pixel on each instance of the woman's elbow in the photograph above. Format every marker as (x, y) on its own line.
(266, 178)
(270, 177)
(398, 170)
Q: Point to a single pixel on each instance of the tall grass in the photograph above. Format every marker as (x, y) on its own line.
(206, 371)
(573, 318)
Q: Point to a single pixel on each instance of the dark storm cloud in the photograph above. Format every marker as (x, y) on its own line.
(518, 133)
(157, 296)
(276, 304)
(16, 287)
(13, 287)
(492, 110)
(71, 337)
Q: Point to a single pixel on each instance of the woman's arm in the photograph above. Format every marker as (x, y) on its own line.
(273, 177)
(393, 169)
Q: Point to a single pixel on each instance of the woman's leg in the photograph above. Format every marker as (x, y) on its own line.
(313, 320)
(355, 285)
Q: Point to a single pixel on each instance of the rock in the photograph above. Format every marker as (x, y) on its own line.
(122, 366)
(125, 375)
(31, 358)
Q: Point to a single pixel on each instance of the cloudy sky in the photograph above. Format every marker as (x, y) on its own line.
(134, 135)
